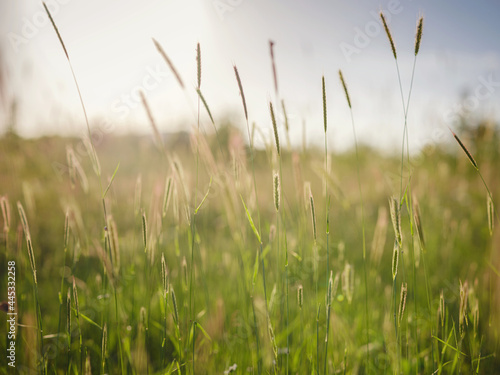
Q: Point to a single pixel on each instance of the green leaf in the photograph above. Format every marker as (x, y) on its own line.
(250, 220)
(111, 181)
(203, 331)
(255, 267)
(205, 197)
(87, 319)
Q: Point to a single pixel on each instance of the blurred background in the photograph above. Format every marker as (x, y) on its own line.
(109, 42)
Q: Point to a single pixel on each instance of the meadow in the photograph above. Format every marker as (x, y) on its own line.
(200, 253)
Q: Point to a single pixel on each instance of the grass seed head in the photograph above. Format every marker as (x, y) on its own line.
(345, 89)
(275, 128)
(463, 321)
(313, 215)
(275, 77)
(174, 304)
(323, 86)
(198, 65)
(491, 214)
(300, 296)
(396, 219)
(418, 223)
(441, 309)
(276, 186)
(4, 202)
(144, 231)
(242, 94)
(330, 290)
(66, 230)
(402, 302)
(469, 155)
(389, 36)
(104, 344)
(169, 63)
(114, 245)
(167, 195)
(164, 275)
(75, 297)
(158, 137)
(68, 313)
(395, 260)
(418, 36)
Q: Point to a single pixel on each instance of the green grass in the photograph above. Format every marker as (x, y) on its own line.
(162, 266)
(230, 314)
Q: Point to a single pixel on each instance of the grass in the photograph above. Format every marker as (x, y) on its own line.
(171, 284)
(235, 331)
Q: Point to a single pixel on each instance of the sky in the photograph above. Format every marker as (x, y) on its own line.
(109, 42)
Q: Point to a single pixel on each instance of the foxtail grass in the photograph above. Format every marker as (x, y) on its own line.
(31, 256)
(259, 254)
(367, 324)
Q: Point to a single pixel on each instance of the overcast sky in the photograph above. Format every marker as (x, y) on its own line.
(109, 43)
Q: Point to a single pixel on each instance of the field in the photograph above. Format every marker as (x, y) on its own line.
(200, 253)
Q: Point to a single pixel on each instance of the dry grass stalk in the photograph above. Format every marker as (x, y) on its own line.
(395, 260)
(276, 187)
(348, 282)
(4, 202)
(198, 65)
(27, 234)
(402, 302)
(169, 63)
(330, 290)
(114, 245)
(491, 214)
(159, 139)
(75, 297)
(164, 276)
(275, 128)
(418, 223)
(96, 165)
(272, 338)
(137, 195)
(56, 29)
(167, 195)
(379, 236)
(88, 367)
(313, 215)
(345, 88)
(174, 304)
(396, 219)
(68, 314)
(441, 309)
(462, 320)
(275, 77)
(66, 230)
(284, 114)
(144, 231)
(469, 155)
(104, 345)
(71, 166)
(242, 94)
(297, 175)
